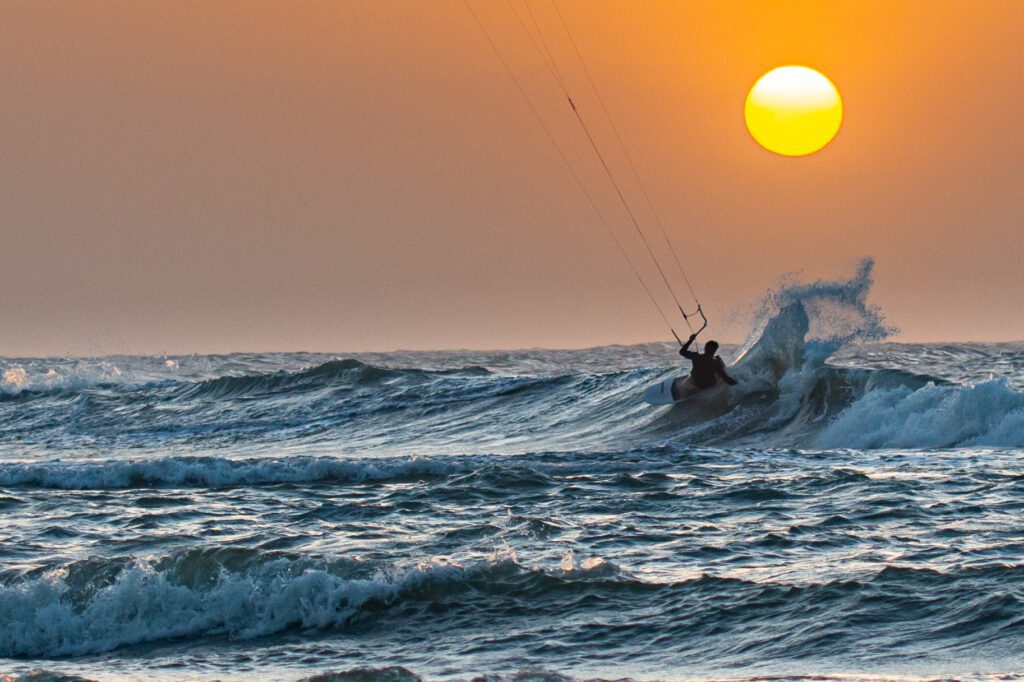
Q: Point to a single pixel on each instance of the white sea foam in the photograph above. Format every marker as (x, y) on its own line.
(14, 379)
(989, 413)
(39, 375)
(149, 602)
(145, 604)
(801, 325)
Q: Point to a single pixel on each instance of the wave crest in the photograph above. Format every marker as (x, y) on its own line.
(217, 472)
(101, 605)
(89, 608)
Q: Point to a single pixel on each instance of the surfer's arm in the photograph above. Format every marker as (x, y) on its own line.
(685, 350)
(720, 367)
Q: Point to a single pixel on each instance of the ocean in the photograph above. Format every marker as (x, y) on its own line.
(852, 509)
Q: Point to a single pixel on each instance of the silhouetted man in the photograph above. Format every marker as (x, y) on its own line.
(707, 366)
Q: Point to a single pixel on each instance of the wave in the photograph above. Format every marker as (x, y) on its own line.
(790, 394)
(933, 416)
(332, 374)
(19, 381)
(480, 473)
(44, 676)
(98, 605)
(401, 674)
(219, 472)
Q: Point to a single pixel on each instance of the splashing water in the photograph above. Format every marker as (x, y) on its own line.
(817, 318)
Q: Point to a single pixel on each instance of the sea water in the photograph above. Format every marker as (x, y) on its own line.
(852, 508)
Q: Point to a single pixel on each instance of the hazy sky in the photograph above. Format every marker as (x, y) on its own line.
(215, 176)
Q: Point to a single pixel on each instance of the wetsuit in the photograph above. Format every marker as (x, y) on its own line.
(706, 368)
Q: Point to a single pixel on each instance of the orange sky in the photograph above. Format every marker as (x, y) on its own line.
(216, 176)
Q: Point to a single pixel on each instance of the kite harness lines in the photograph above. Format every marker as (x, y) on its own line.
(532, 28)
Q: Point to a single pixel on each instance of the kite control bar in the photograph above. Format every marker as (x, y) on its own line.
(700, 311)
(687, 316)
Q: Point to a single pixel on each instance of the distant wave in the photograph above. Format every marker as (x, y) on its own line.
(17, 381)
(217, 472)
(346, 371)
(478, 472)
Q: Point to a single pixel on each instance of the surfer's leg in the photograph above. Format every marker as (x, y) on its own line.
(677, 388)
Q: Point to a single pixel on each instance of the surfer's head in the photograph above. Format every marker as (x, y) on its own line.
(711, 347)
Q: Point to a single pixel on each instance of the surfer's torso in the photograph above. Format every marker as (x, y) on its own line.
(705, 370)
(707, 367)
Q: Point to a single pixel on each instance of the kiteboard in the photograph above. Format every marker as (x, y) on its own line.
(670, 391)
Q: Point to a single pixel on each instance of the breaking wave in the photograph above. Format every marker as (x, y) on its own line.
(792, 393)
(216, 472)
(98, 605)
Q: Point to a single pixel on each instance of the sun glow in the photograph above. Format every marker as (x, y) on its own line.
(793, 111)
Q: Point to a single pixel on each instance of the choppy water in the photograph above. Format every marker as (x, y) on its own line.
(849, 509)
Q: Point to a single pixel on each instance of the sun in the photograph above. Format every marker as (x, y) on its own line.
(793, 111)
